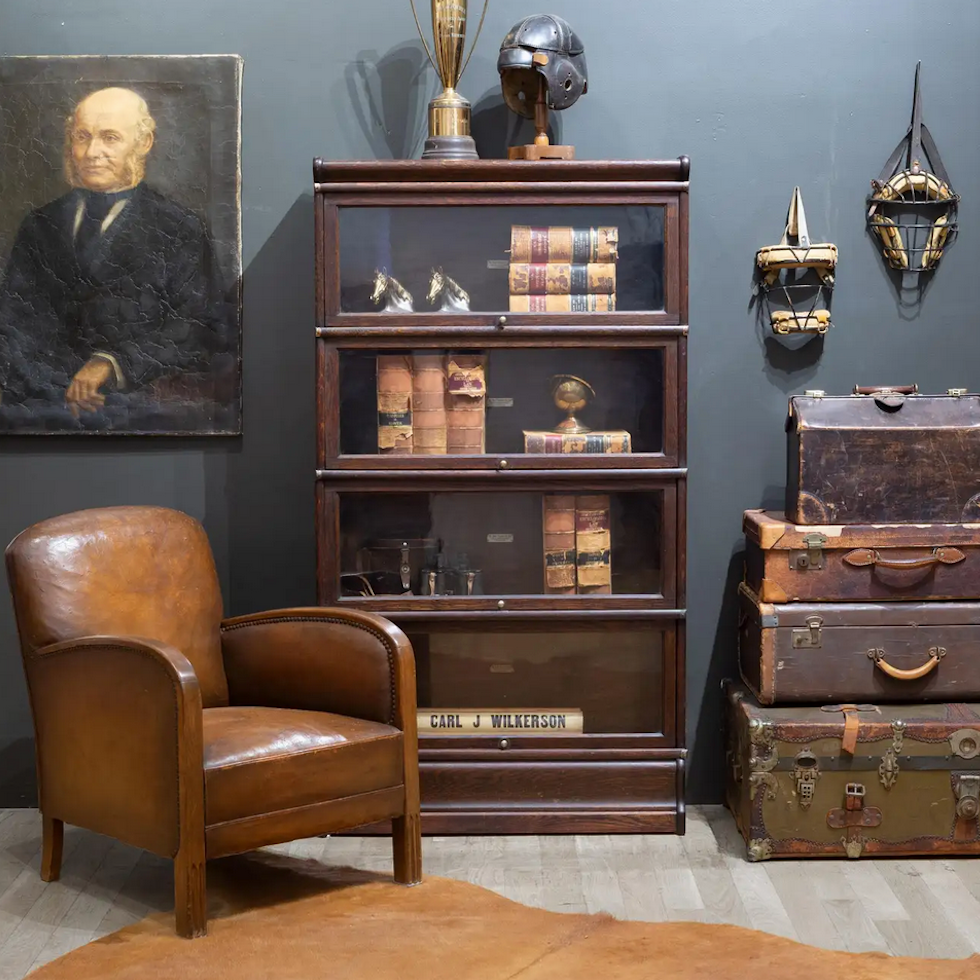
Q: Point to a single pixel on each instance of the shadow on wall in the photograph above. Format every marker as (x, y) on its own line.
(270, 481)
(387, 96)
(18, 786)
(708, 749)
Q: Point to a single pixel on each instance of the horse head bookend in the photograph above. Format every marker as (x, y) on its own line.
(454, 298)
(387, 289)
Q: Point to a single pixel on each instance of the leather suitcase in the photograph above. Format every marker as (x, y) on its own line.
(853, 780)
(883, 455)
(867, 651)
(787, 562)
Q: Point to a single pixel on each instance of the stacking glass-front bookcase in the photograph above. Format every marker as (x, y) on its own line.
(501, 471)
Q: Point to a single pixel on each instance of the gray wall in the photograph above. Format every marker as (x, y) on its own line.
(762, 95)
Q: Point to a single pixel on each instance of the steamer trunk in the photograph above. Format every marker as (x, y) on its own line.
(883, 457)
(788, 562)
(867, 651)
(870, 780)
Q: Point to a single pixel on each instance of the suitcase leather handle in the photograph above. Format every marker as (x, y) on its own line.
(862, 557)
(935, 655)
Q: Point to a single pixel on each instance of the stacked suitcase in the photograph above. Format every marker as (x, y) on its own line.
(857, 729)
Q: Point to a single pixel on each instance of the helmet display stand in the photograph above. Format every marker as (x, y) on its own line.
(542, 67)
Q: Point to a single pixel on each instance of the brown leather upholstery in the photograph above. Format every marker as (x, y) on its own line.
(131, 571)
(262, 759)
(160, 724)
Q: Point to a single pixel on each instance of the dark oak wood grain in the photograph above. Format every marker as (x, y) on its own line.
(630, 782)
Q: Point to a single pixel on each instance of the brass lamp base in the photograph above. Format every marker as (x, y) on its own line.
(572, 424)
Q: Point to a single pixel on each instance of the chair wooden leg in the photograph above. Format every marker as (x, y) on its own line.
(406, 846)
(190, 891)
(52, 843)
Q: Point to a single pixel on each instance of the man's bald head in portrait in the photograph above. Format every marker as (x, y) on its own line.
(107, 139)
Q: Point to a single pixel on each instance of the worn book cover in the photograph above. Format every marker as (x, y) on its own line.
(429, 404)
(611, 441)
(465, 403)
(593, 567)
(394, 405)
(564, 278)
(559, 544)
(563, 244)
(594, 303)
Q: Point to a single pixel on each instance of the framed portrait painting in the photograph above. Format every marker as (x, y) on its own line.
(120, 245)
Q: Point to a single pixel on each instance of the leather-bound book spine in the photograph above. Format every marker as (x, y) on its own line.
(429, 404)
(593, 566)
(613, 441)
(394, 405)
(563, 304)
(563, 244)
(562, 278)
(466, 394)
(559, 544)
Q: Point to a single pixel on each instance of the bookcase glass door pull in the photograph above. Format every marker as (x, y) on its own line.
(502, 464)
(501, 603)
(504, 743)
(501, 321)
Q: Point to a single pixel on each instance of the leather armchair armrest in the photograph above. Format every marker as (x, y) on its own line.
(118, 725)
(321, 658)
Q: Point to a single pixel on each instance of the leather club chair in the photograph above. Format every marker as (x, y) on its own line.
(163, 725)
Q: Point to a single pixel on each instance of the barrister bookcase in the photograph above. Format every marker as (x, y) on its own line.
(539, 572)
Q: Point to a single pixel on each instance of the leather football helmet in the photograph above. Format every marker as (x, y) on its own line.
(542, 46)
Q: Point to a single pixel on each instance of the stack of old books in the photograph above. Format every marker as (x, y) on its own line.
(559, 269)
(858, 729)
(431, 404)
(577, 544)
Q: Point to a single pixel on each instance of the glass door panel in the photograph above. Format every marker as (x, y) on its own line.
(502, 401)
(502, 544)
(509, 258)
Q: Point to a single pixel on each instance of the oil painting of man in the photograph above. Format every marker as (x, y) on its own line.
(115, 313)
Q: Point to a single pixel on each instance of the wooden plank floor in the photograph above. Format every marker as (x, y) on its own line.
(900, 906)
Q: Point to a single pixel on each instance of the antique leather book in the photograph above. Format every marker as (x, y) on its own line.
(562, 278)
(890, 455)
(592, 303)
(429, 404)
(563, 244)
(853, 780)
(613, 441)
(559, 543)
(465, 403)
(859, 651)
(394, 404)
(786, 562)
(593, 568)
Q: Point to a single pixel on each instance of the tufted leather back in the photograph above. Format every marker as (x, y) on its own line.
(121, 571)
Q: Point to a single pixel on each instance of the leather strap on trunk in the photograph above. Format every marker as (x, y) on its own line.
(851, 723)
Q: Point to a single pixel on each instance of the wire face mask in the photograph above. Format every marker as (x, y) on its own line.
(912, 210)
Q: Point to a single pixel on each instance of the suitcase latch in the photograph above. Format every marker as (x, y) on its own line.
(806, 772)
(809, 637)
(967, 790)
(888, 769)
(852, 817)
(812, 557)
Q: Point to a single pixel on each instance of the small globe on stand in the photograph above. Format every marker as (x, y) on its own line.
(571, 395)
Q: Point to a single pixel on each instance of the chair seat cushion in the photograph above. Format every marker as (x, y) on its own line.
(262, 760)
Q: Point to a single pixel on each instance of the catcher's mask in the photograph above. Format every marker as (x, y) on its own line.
(912, 210)
(542, 46)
